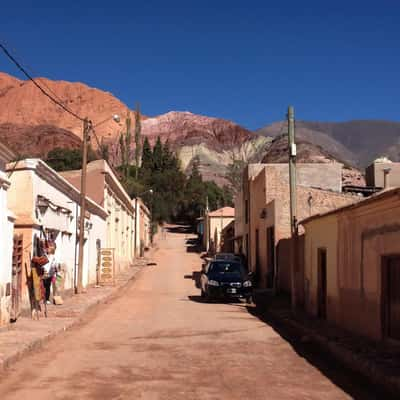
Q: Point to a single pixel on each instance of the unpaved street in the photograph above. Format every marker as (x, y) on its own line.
(157, 340)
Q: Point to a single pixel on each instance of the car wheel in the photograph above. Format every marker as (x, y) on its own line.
(249, 299)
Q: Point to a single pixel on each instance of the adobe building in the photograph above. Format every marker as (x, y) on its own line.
(352, 266)
(7, 297)
(214, 224)
(227, 238)
(46, 205)
(267, 214)
(105, 189)
(383, 173)
(143, 227)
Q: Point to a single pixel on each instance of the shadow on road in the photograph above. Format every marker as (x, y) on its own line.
(353, 384)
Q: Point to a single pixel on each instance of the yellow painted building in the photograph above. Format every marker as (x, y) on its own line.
(352, 266)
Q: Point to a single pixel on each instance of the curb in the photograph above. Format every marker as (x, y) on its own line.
(39, 343)
(347, 358)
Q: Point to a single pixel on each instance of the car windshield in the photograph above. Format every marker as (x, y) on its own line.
(226, 269)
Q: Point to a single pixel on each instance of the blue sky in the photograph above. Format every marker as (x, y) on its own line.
(239, 60)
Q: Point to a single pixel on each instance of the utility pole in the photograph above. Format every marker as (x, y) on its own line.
(293, 203)
(87, 126)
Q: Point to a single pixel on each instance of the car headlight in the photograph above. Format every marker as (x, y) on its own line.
(247, 284)
(213, 283)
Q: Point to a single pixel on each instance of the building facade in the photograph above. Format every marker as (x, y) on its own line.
(6, 240)
(266, 210)
(352, 266)
(143, 227)
(46, 205)
(105, 189)
(383, 173)
(214, 224)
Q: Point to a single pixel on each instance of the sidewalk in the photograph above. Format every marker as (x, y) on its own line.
(25, 335)
(378, 363)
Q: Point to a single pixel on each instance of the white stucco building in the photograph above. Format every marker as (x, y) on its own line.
(43, 202)
(6, 239)
(104, 187)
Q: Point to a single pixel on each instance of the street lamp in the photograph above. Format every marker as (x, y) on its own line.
(88, 127)
(150, 191)
(116, 118)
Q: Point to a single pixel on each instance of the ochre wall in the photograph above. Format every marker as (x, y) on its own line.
(365, 235)
(321, 233)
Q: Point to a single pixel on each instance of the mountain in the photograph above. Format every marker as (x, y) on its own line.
(310, 153)
(33, 124)
(214, 141)
(354, 142)
(22, 103)
(185, 128)
(37, 141)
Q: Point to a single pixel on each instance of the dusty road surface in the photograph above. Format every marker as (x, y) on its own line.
(157, 340)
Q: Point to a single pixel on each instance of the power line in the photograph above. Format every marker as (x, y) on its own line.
(52, 98)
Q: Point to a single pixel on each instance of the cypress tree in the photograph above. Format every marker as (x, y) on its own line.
(147, 155)
(138, 131)
(158, 155)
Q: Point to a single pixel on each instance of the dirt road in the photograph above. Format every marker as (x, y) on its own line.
(159, 341)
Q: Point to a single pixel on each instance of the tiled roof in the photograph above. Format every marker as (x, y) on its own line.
(223, 212)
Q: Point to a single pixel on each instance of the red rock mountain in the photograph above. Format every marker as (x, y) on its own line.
(33, 125)
(37, 141)
(22, 103)
(185, 128)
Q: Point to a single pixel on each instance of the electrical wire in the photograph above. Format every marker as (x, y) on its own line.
(51, 97)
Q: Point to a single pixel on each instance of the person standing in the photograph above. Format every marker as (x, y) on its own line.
(50, 271)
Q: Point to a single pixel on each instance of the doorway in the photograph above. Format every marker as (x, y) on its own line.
(270, 256)
(322, 283)
(391, 297)
(257, 256)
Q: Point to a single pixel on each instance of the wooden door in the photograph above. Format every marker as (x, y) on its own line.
(16, 283)
(322, 283)
(391, 297)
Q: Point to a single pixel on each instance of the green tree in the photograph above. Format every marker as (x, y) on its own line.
(61, 159)
(138, 131)
(125, 140)
(147, 155)
(158, 155)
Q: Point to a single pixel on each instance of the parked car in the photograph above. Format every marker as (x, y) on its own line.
(225, 279)
(227, 256)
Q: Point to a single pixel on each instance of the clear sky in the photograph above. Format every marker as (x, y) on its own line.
(240, 60)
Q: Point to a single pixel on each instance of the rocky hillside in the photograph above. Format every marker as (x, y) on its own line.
(185, 128)
(355, 142)
(37, 141)
(33, 125)
(307, 152)
(22, 103)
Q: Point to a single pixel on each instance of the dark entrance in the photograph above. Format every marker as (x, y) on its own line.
(270, 257)
(16, 283)
(391, 296)
(322, 284)
(257, 257)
